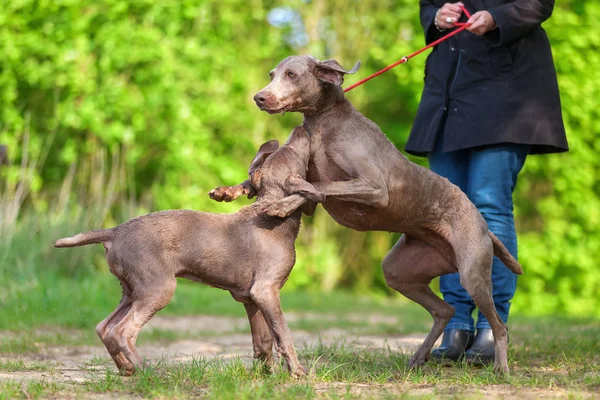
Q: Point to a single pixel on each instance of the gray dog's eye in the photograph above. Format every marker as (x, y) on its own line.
(290, 74)
(271, 75)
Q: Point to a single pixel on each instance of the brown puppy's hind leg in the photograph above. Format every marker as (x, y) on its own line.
(124, 334)
(106, 325)
(409, 268)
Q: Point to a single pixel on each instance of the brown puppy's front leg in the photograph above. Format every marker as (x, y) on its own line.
(230, 193)
(262, 340)
(266, 297)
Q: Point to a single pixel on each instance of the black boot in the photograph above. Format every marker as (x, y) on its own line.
(483, 351)
(454, 344)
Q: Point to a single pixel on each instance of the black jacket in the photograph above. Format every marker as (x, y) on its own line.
(497, 88)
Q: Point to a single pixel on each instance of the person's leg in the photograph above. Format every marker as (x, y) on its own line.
(454, 166)
(492, 179)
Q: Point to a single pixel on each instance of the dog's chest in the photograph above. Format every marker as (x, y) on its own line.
(323, 166)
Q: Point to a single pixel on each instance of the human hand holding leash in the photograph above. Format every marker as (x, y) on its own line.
(448, 14)
(481, 22)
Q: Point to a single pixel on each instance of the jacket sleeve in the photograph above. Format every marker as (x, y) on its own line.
(427, 10)
(517, 18)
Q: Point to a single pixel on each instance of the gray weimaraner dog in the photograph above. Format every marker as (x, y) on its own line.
(248, 253)
(369, 185)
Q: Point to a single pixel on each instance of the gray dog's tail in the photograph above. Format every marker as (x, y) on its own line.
(81, 239)
(503, 254)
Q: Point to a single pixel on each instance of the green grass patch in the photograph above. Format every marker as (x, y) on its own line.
(11, 389)
(36, 341)
(20, 365)
(410, 320)
(49, 299)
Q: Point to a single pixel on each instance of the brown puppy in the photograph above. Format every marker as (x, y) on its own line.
(247, 253)
(370, 185)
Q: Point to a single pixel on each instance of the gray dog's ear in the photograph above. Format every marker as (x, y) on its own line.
(331, 71)
(265, 150)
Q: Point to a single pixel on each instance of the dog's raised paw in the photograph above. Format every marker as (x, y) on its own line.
(222, 193)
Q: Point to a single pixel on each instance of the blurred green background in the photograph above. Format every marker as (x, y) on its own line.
(111, 109)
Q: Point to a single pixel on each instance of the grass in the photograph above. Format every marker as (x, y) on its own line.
(47, 303)
(20, 365)
(340, 371)
(551, 355)
(45, 310)
(29, 390)
(47, 317)
(47, 299)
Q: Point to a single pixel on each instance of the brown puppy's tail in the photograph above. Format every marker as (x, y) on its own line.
(81, 239)
(503, 254)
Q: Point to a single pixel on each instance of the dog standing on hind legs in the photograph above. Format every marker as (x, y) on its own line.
(369, 185)
(248, 253)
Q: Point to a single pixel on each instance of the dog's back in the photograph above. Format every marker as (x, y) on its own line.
(223, 250)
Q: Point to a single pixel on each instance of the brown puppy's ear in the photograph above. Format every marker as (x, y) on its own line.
(331, 71)
(255, 180)
(265, 150)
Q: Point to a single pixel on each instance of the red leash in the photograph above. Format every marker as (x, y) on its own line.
(403, 60)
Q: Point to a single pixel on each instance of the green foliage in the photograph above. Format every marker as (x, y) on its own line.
(127, 107)
(558, 197)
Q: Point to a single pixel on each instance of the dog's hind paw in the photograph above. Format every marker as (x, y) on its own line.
(298, 372)
(501, 369)
(417, 360)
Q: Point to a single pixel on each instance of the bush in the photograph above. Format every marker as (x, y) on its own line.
(146, 105)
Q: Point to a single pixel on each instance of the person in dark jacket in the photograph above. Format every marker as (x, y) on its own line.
(490, 99)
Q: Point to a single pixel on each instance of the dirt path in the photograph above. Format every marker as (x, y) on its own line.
(74, 365)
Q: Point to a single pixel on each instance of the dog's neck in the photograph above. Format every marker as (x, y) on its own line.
(334, 105)
(332, 95)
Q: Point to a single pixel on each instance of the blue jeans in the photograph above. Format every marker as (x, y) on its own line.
(488, 177)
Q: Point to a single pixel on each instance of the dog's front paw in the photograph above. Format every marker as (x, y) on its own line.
(280, 208)
(224, 193)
